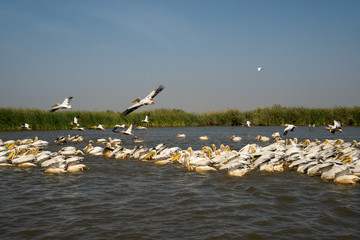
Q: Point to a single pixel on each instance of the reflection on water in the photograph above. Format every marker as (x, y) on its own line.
(130, 199)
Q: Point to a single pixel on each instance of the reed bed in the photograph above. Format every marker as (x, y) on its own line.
(13, 118)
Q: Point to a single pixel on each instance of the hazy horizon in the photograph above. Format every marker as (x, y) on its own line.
(205, 53)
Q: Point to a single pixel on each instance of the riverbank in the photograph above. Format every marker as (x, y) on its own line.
(13, 118)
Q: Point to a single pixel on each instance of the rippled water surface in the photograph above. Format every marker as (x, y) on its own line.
(131, 199)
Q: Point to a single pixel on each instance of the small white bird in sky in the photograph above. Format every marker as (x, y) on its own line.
(148, 100)
(64, 105)
(260, 69)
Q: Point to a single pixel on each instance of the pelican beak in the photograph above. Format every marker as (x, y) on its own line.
(176, 157)
(11, 146)
(150, 155)
(136, 100)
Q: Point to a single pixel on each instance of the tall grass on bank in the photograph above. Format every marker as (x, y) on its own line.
(13, 118)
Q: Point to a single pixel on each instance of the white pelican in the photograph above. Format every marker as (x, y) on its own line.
(289, 127)
(146, 120)
(247, 123)
(334, 128)
(64, 105)
(235, 138)
(205, 138)
(260, 69)
(117, 127)
(181, 135)
(138, 140)
(75, 122)
(129, 130)
(78, 128)
(100, 127)
(26, 126)
(141, 128)
(148, 100)
(262, 138)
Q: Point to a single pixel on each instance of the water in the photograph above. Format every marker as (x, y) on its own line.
(131, 199)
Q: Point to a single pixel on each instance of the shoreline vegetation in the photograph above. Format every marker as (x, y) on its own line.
(13, 118)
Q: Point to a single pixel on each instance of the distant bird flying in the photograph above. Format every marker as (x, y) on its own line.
(260, 69)
(117, 127)
(148, 100)
(289, 127)
(26, 126)
(335, 128)
(129, 130)
(146, 120)
(64, 105)
(75, 122)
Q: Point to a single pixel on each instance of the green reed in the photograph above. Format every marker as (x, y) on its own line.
(13, 118)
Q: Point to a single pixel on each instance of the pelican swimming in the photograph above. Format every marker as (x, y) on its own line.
(204, 138)
(148, 100)
(235, 138)
(262, 138)
(334, 128)
(289, 127)
(181, 135)
(64, 105)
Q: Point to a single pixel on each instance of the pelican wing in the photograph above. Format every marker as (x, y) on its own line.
(337, 124)
(67, 101)
(155, 92)
(133, 108)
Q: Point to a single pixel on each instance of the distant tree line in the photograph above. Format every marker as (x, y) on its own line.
(12, 118)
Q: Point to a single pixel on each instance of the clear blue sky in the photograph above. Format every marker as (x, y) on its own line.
(205, 52)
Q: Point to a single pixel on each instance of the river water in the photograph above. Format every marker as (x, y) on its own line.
(131, 199)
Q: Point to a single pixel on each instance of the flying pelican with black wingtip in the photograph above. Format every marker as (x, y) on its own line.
(129, 130)
(116, 127)
(289, 127)
(64, 105)
(76, 121)
(148, 100)
(146, 120)
(334, 128)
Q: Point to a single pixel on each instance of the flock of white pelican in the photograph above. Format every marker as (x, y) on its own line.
(332, 160)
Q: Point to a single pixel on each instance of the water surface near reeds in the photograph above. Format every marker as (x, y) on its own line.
(131, 199)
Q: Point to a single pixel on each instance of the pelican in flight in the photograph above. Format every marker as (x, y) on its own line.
(289, 127)
(75, 122)
(98, 127)
(26, 126)
(260, 69)
(64, 105)
(334, 128)
(146, 120)
(116, 127)
(148, 100)
(129, 130)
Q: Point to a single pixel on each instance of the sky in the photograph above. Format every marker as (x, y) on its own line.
(204, 52)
